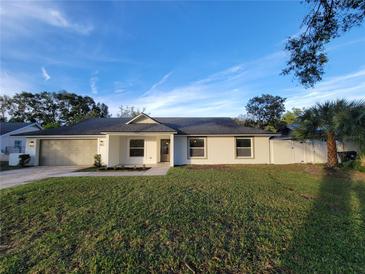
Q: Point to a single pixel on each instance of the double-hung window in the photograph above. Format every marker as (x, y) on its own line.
(136, 148)
(197, 147)
(18, 143)
(244, 148)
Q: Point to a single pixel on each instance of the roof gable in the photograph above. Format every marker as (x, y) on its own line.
(142, 119)
(7, 127)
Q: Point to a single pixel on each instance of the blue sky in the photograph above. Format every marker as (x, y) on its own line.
(174, 58)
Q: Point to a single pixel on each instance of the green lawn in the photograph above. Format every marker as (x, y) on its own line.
(257, 219)
(111, 169)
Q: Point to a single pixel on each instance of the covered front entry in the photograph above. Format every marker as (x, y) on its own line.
(140, 149)
(165, 150)
(64, 152)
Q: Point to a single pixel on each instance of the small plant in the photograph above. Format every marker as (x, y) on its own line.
(24, 159)
(354, 164)
(97, 160)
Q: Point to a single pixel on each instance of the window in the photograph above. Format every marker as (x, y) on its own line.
(197, 147)
(18, 143)
(136, 148)
(244, 147)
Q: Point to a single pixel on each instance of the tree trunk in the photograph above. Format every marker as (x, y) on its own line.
(331, 150)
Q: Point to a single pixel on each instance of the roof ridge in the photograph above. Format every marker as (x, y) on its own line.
(155, 117)
(194, 117)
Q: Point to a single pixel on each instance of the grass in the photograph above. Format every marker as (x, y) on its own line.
(257, 219)
(105, 169)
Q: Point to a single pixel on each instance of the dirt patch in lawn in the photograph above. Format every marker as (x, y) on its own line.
(108, 169)
(312, 169)
(217, 167)
(358, 176)
(316, 170)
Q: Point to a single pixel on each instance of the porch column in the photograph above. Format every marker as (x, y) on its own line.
(172, 150)
(32, 148)
(107, 157)
(113, 150)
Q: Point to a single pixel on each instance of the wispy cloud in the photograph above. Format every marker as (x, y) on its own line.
(222, 93)
(348, 86)
(11, 83)
(45, 74)
(226, 92)
(122, 87)
(345, 44)
(93, 80)
(18, 15)
(159, 83)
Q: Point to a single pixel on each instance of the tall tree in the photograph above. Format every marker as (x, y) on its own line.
(53, 109)
(266, 110)
(24, 107)
(48, 110)
(130, 111)
(102, 110)
(326, 20)
(5, 105)
(74, 108)
(291, 116)
(333, 121)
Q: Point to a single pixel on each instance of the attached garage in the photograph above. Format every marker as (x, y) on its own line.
(67, 152)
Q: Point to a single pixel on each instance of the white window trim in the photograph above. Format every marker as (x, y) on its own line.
(235, 147)
(129, 147)
(205, 148)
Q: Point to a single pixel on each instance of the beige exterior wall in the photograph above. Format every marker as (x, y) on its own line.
(118, 150)
(221, 150)
(102, 149)
(114, 150)
(32, 148)
(144, 120)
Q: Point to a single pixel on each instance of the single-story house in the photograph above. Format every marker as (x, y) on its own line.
(146, 140)
(14, 144)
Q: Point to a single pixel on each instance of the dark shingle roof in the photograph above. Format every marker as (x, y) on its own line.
(139, 128)
(182, 125)
(6, 127)
(87, 127)
(209, 125)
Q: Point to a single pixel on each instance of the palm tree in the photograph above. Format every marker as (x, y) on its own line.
(333, 121)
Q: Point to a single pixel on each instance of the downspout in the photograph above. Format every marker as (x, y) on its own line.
(270, 161)
(172, 150)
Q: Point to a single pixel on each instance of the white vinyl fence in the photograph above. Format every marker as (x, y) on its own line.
(286, 151)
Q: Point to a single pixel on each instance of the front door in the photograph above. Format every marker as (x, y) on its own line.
(165, 150)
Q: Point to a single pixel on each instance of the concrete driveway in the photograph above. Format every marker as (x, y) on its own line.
(25, 175)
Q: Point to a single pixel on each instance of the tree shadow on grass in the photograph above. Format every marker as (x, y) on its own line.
(332, 239)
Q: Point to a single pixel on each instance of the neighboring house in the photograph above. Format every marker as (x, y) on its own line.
(144, 140)
(14, 144)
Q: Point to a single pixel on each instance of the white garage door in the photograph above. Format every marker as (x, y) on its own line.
(67, 152)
